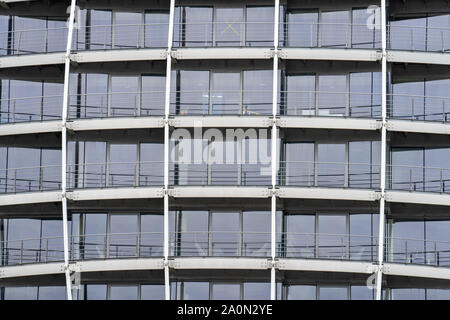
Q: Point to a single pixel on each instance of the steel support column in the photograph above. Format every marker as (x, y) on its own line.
(383, 151)
(166, 151)
(274, 151)
(64, 148)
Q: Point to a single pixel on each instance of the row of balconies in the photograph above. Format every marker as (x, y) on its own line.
(226, 244)
(292, 103)
(411, 36)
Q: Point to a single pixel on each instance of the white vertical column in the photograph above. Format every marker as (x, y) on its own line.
(64, 149)
(383, 150)
(166, 151)
(274, 150)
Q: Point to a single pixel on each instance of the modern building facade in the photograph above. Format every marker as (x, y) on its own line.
(183, 149)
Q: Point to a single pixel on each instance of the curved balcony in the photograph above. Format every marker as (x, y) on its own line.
(223, 244)
(329, 35)
(419, 107)
(223, 34)
(409, 37)
(30, 179)
(329, 174)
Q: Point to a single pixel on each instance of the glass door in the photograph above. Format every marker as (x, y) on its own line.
(229, 27)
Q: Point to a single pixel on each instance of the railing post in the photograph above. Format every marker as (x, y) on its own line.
(46, 250)
(15, 180)
(138, 245)
(406, 251)
(435, 255)
(410, 180)
(21, 251)
(441, 182)
(444, 116)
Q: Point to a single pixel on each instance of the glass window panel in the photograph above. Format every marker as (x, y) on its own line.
(362, 239)
(192, 236)
(24, 169)
(438, 33)
(299, 237)
(408, 34)
(152, 227)
(299, 166)
(224, 171)
(192, 93)
(363, 164)
(26, 100)
(365, 29)
(332, 236)
(362, 98)
(51, 169)
(331, 165)
(437, 100)
(123, 238)
(94, 103)
(408, 101)
(52, 293)
(98, 33)
(93, 243)
(257, 89)
(333, 293)
(4, 32)
(123, 165)
(193, 28)
(300, 98)
(21, 293)
(256, 170)
(152, 292)
(94, 165)
(361, 293)
(226, 291)
(56, 35)
(28, 230)
(225, 233)
(332, 95)
(52, 244)
(335, 29)
(256, 291)
(256, 233)
(301, 292)
(151, 164)
(229, 27)
(259, 28)
(156, 28)
(128, 30)
(438, 294)
(437, 176)
(29, 35)
(302, 28)
(407, 243)
(153, 95)
(408, 294)
(123, 292)
(124, 96)
(52, 101)
(96, 291)
(226, 95)
(407, 169)
(438, 242)
(196, 291)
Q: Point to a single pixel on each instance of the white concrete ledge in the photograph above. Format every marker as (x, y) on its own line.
(219, 192)
(116, 193)
(327, 193)
(34, 269)
(418, 126)
(236, 263)
(408, 270)
(328, 123)
(326, 265)
(110, 55)
(428, 198)
(220, 121)
(330, 54)
(115, 123)
(27, 60)
(30, 127)
(118, 265)
(222, 53)
(418, 57)
(30, 197)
